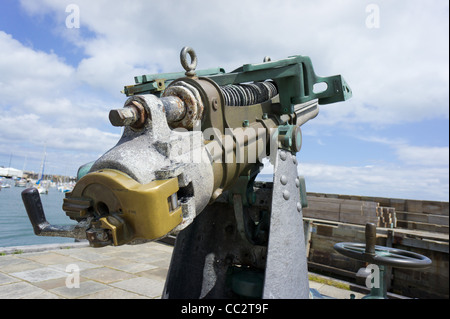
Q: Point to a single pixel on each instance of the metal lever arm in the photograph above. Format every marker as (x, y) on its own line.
(33, 205)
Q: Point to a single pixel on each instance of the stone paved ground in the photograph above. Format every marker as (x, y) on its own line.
(125, 272)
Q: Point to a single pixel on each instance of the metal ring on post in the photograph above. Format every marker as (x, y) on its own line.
(189, 67)
(386, 256)
(380, 255)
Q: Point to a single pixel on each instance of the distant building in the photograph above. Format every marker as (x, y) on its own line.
(10, 172)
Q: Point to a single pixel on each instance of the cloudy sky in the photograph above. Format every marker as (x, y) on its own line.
(58, 80)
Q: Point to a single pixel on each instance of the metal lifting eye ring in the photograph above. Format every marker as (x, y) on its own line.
(189, 67)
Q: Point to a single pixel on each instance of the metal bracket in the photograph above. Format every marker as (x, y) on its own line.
(295, 79)
(286, 269)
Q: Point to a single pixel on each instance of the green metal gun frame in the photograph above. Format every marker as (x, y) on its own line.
(294, 77)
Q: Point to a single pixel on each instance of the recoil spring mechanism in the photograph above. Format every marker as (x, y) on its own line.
(249, 93)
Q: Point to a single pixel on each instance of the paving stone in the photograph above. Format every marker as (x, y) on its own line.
(69, 267)
(39, 274)
(86, 254)
(15, 264)
(8, 260)
(55, 283)
(106, 275)
(51, 258)
(126, 265)
(5, 279)
(153, 257)
(124, 272)
(19, 290)
(157, 273)
(86, 288)
(144, 286)
(163, 247)
(162, 263)
(114, 293)
(129, 255)
(43, 295)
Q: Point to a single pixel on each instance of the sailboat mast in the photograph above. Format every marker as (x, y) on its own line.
(41, 174)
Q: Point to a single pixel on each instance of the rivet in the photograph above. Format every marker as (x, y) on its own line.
(214, 104)
(283, 179)
(286, 195)
(297, 182)
(283, 155)
(299, 207)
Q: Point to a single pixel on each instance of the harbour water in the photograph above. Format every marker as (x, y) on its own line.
(15, 227)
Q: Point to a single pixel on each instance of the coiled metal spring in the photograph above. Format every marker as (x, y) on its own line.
(249, 93)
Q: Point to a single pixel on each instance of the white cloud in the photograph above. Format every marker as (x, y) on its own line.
(423, 156)
(43, 103)
(432, 156)
(25, 72)
(371, 180)
(387, 181)
(398, 72)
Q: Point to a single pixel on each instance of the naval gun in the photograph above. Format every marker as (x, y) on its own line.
(192, 146)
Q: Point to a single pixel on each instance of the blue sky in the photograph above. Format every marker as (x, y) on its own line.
(57, 84)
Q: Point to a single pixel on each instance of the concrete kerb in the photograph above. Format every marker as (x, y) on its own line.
(39, 248)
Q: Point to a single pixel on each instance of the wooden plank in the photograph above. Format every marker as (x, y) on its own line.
(320, 214)
(398, 204)
(420, 234)
(321, 208)
(423, 226)
(430, 245)
(341, 209)
(424, 218)
(425, 206)
(436, 208)
(323, 204)
(414, 217)
(414, 206)
(358, 212)
(438, 220)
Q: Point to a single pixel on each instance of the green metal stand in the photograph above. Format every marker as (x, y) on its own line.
(379, 292)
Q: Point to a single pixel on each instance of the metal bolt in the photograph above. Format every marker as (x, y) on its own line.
(297, 139)
(286, 195)
(283, 180)
(123, 117)
(133, 114)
